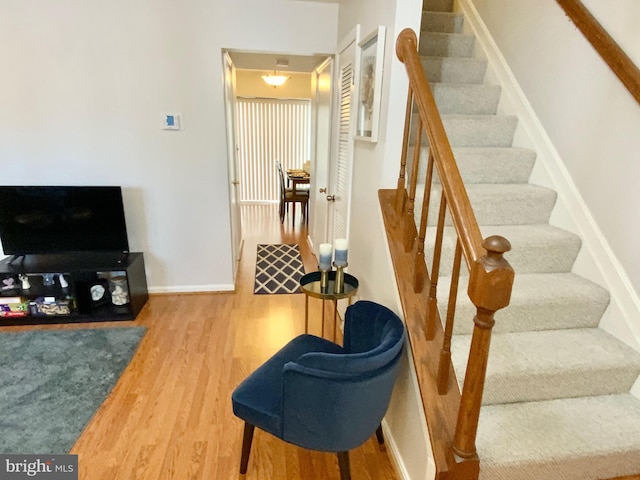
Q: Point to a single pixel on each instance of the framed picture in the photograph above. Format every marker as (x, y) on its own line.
(371, 51)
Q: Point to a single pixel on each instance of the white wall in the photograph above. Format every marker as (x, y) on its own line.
(376, 166)
(83, 88)
(588, 115)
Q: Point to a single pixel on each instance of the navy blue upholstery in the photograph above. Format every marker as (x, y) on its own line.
(319, 395)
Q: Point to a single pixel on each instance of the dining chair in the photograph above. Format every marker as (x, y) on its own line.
(322, 396)
(290, 196)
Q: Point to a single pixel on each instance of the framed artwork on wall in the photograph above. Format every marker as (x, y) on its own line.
(371, 57)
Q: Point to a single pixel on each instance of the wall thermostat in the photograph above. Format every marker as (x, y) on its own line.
(171, 121)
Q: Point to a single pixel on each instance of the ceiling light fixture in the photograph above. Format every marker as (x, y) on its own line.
(274, 80)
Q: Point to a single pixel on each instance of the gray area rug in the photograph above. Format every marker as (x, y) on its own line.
(279, 269)
(53, 381)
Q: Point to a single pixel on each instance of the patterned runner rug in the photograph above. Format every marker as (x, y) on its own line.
(278, 269)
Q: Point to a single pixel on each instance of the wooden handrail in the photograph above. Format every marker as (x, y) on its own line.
(467, 228)
(604, 44)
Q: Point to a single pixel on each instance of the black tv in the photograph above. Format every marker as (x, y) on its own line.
(62, 219)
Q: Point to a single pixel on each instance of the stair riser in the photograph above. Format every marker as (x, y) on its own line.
(530, 252)
(524, 367)
(454, 70)
(530, 316)
(559, 384)
(444, 22)
(446, 44)
(473, 131)
(538, 302)
(510, 165)
(437, 5)
(523, 206)
(466, 99)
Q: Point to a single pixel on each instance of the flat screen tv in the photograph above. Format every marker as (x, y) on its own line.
(62, 219)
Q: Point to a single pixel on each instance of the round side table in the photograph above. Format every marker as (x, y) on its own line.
(310, 284)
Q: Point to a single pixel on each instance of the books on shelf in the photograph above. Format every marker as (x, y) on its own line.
(13, 307)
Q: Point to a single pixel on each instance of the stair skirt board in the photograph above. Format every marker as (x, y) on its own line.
(556, 400)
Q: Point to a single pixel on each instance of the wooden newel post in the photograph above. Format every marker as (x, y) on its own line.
(490, 286)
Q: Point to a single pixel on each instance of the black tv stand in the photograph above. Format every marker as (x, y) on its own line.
(14, 258)
(74, 296)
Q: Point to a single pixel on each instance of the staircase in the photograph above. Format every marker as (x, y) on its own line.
(556, 403)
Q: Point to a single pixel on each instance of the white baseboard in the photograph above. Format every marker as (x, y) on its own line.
(394, 453)
(192, 289)
(596, 260)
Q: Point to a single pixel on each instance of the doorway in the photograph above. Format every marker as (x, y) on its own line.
(299, 88)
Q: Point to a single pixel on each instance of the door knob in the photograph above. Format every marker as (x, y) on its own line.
(323, 190)
(331, 198)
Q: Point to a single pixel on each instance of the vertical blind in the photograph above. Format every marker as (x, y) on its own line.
(269, 130)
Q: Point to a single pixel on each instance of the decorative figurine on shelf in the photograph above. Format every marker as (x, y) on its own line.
(119, 290)
(9, 283)
(25, 281)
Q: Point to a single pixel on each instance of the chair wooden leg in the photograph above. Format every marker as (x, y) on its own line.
(343, 462)
(247, 438)
(379, 435)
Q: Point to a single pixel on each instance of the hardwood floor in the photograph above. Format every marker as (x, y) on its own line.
(170, 417)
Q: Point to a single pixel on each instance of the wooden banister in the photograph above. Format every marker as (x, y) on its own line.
(490, 276)
(604, 44)
(467, 228)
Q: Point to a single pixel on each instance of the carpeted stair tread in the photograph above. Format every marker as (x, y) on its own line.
(438, 5)
(446, 22)
(469, 99)
(475, 130)
(440, 44)
(498, 204)
(585, 438)
(543, 365)
(535, 248)
(454, 70)
(484, 164)
(544, 301)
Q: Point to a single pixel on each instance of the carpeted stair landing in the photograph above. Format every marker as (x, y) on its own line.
(556, 402)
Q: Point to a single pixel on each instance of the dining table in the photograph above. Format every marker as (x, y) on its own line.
(296, 177)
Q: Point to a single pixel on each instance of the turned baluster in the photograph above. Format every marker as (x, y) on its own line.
(401, 190)
(491, 279)
(445, 354)
(432, 306)
(420, 267)
(410, 231)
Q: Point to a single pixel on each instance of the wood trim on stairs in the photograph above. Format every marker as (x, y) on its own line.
(604, 44)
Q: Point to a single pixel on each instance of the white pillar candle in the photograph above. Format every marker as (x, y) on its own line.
(341, 252)
(326, 251)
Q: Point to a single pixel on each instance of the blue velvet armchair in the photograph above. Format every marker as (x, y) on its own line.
(318, 395)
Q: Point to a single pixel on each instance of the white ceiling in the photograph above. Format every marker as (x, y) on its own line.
(267, 61)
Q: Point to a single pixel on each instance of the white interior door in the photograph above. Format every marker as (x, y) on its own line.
(342, 166)
(234, 183)
(322, 80)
